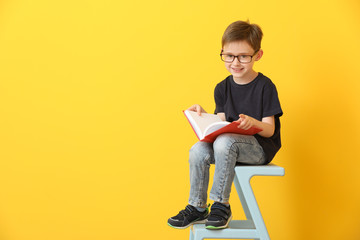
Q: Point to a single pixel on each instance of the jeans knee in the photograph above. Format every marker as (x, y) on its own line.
(200, 153)
(223, 144)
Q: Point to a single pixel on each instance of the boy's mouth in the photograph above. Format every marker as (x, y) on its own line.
(237, 70)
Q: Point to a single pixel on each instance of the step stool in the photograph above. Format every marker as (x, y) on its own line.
(252, 228)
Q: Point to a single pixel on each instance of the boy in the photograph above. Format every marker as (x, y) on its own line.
(248, 97)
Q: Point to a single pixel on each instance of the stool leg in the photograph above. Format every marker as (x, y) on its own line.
(242, 198)
(249, 203)
(191, 234)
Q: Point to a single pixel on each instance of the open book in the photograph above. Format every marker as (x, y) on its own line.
(208, 126)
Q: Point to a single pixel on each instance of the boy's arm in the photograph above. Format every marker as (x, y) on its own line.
(267, 124)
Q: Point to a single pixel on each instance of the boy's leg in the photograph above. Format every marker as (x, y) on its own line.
(228, 150)
(201, 155)
(200, 158)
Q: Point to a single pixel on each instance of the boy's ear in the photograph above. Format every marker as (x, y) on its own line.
(259, 55)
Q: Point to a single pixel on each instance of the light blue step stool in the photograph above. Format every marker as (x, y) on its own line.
(252, 228)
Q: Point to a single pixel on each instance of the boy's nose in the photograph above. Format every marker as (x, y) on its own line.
(236, 61)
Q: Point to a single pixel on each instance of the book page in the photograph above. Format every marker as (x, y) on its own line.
(214, 127)
(200, 123)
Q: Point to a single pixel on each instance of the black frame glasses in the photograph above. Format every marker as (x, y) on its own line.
(239, 59)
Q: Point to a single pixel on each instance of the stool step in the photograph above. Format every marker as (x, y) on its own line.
(234, 224)
(243, 228)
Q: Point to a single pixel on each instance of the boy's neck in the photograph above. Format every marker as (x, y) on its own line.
(247, 78)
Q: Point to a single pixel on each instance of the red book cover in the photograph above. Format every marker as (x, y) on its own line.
(219, 126)
(230, 128)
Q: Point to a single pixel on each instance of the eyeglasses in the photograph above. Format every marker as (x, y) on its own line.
(241, 58)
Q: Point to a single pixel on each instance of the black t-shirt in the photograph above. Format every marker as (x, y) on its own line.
(257, 99)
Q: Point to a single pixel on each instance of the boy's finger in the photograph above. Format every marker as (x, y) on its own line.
(192, 108)
(198, 110)
(241, 125)
(242, 116)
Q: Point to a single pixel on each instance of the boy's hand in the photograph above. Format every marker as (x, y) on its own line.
(197, 108)
(267, 124)
(245, 121)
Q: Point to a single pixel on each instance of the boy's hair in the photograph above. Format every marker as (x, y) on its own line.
(240, 31)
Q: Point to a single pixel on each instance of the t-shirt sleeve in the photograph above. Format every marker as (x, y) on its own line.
(219, 99)
(271, 103)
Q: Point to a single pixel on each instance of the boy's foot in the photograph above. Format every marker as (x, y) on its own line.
(187, 217)
(220, 216)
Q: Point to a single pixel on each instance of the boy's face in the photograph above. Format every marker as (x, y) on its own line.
(242, 72)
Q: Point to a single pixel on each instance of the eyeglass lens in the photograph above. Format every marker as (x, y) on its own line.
(241, 58)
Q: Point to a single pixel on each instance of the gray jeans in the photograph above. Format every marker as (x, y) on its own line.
(225, 152)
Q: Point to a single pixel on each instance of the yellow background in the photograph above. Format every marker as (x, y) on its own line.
(93, 142)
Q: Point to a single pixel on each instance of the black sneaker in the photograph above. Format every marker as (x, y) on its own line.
(187, 217)
(220, 216)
